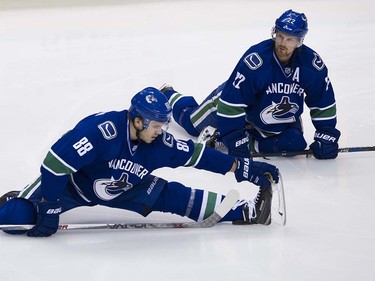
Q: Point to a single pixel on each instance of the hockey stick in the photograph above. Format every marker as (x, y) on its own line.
(280, 211)
(309, 152)
(225, 206)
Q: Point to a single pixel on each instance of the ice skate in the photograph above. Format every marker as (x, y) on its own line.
(7, 196)
(259, 210)
(209, 136)
(165, 88)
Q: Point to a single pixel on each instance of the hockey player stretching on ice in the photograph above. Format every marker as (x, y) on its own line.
(259, 107)
(108, 158)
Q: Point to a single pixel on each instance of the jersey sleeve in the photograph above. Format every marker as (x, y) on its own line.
(320, 96)
(167, 151)
(214, 161)
(239, 93)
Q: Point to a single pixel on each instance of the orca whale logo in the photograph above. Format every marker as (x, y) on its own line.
(108, 189)
(274, 114)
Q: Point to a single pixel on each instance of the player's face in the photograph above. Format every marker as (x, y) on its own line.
(285, 45)
(153, 130)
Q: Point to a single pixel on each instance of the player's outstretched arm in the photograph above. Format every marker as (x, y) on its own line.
(245, 169)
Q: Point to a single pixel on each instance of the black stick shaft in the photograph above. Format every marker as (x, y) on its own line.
(309, 152)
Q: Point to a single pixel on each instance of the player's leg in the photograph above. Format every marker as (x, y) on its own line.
(21, 208)
(69, 199)
(156, 194)
(291, 139)
(191, 116)
(198, 204)
(17, 211)
(182, 106)
(195, 204)
(205, 114)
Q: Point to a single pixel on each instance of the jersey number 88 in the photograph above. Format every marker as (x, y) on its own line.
(83, 146)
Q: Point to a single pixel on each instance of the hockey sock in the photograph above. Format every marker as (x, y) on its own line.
(195, 204)
(205, 203)
(185, 122)
(182, 107)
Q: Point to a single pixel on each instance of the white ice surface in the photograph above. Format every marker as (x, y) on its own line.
(59, 63)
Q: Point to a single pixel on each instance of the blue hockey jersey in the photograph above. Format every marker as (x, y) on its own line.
(271, 96)
(99, 159)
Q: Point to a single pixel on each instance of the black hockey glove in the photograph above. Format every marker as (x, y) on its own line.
(256, 172)
(47, 221)
(237, 143)
(325, 145)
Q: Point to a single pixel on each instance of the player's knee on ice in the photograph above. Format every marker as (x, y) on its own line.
(290, 140)
(17, 211)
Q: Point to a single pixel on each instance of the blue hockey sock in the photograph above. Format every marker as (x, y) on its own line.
(205, 203)
(195, 204)
(169, 94)
(185, 122)
(182, 107)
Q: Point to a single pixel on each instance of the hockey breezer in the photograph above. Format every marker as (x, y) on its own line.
(229, 201)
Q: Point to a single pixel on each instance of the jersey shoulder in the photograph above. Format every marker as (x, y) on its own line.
(258, 56)
(167, 151)
(108, 125)
(97, 135)
(167, 142)
(310, 59)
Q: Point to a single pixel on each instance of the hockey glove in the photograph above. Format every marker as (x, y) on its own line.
(237, 143)
(47, 220)
(256, 172)
(325, 145)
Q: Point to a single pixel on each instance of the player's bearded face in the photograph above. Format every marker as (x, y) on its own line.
(153, 130)
(285, 45)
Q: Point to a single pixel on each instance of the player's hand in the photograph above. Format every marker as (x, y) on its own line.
(325, 145)
(47, 221)
(259, 173)
(237, 143)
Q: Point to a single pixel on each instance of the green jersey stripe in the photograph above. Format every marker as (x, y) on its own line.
(205, 109)
(56, 165)
(228, 111)
(174, 98)
(319, 114)
(197, 155)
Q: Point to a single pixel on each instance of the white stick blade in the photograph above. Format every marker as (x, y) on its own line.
(228, 202)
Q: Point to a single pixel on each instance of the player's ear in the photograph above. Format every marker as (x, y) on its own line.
(138, 123)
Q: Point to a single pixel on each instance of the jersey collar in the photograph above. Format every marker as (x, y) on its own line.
(287, 70)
